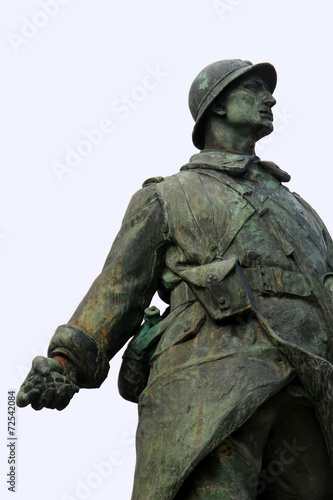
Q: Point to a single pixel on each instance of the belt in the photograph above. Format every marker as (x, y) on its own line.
(274, 281)
(264, 280)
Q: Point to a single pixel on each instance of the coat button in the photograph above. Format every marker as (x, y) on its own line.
(211, 277)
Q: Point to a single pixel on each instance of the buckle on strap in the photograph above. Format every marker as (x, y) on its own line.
(270, 280)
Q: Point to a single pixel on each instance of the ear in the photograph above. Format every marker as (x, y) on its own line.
(218, 108)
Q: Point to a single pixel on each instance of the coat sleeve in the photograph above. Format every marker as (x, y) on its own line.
(113, 308)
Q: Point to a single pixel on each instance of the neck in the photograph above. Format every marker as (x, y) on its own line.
(234, 140)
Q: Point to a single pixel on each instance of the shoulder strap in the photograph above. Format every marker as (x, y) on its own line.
(255, 204)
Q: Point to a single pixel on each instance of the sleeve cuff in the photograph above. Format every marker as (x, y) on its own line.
(81, 349)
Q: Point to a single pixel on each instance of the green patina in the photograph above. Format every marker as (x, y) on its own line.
(245, 267)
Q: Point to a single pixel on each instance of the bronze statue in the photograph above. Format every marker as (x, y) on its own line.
(234, 380)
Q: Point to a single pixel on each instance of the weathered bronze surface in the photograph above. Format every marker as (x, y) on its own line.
(234, 380)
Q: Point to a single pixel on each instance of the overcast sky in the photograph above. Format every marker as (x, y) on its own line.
(94, 101)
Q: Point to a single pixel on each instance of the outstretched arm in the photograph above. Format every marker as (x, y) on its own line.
(109, 314)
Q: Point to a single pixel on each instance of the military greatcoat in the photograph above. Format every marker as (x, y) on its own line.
(245, 265)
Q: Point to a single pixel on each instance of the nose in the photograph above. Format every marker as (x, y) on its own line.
(269, 100)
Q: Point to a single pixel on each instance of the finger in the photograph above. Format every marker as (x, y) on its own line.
(55, 365)
(33, 395)
(53, 379)
(75, 388)
(62, 404)
(48, 398)
(64, 395)
(27, 386)
(37, 382)
(37, 405)
(25, 398)
(41, 365)
(22, 399)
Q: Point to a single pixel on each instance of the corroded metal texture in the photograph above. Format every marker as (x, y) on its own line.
(241, 359)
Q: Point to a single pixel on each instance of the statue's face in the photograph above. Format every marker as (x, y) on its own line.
(248, 106)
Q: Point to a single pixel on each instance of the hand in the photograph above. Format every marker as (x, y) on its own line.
(46, 386)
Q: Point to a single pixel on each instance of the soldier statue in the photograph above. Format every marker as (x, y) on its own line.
(234, 380)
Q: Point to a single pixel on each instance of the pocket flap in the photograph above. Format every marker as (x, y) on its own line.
(221, 288)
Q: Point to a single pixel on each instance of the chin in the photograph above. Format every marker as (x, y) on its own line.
(265, 130)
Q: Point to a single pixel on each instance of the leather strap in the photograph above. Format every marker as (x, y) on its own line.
(276, 281)
(264, 280)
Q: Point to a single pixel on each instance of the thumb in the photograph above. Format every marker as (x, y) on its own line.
(41, 365)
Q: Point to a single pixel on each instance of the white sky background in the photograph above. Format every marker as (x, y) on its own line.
(55, 233)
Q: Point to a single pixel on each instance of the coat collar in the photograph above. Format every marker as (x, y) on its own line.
(232, 163)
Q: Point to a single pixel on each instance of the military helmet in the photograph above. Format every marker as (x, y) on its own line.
(213, 79)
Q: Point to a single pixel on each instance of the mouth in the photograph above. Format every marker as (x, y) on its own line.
(267, 114)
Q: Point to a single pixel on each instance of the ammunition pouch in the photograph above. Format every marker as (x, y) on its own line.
(221, 288)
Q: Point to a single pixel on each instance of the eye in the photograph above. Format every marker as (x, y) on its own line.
(252, 86)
